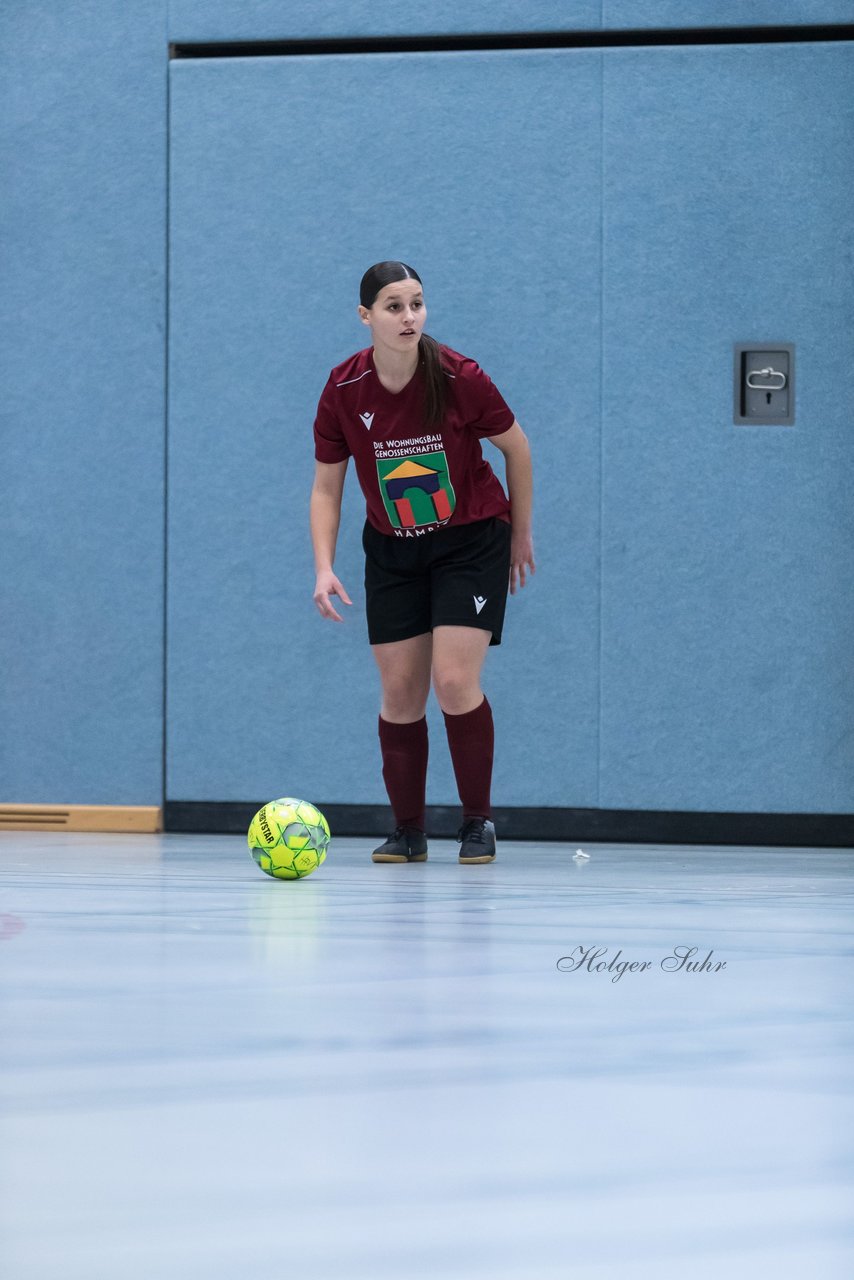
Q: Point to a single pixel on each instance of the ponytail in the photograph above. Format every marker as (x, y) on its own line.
(435, 384)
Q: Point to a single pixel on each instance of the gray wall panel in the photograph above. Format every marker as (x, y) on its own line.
(193, 20)
(82, 309)
(198, 20)
(727, 608)
(635, 15)
(289, 178)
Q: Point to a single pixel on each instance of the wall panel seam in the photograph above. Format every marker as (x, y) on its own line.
(520, 40)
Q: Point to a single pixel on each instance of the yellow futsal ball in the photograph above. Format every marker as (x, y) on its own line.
(288, 838)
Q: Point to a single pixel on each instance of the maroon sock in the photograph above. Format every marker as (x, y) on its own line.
(471, 738)
(404, 751)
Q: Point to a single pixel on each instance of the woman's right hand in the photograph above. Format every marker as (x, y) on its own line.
(328, 585)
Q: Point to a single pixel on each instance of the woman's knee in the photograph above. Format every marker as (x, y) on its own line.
(405, 678)
(458, 654)
(457, 687)
(403, 699)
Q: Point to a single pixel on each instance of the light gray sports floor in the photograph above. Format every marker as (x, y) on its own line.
(382, 1072)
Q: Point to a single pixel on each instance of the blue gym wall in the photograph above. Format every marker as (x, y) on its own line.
(82, 334)
(617, 219)
(269, 237)
(198, 20)
(727, 613)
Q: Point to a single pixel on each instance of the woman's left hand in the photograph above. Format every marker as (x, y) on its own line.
(521, 559)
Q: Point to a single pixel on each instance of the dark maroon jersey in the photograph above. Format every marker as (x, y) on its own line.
(415, 479)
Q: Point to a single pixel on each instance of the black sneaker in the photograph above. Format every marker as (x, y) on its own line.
(477, 840)
(405, 844)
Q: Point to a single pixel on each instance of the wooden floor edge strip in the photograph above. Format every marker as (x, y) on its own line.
(146, 819)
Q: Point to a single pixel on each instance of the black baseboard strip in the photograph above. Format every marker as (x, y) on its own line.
(603, 826)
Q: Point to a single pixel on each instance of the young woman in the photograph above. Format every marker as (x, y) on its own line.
(442, 543)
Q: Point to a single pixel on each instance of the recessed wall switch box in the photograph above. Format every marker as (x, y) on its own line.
(764, 384)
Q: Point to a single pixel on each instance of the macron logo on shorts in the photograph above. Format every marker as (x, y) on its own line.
(367, 419)
(479, 602)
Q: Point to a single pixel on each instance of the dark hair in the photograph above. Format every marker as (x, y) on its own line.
(435, 386)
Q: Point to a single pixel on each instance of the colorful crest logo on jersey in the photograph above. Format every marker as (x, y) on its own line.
(416, 491)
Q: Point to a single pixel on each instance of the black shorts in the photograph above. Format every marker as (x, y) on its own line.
(455, 577)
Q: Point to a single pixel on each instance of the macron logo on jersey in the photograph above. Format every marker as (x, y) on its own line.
(479, 602)
(367, 419)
